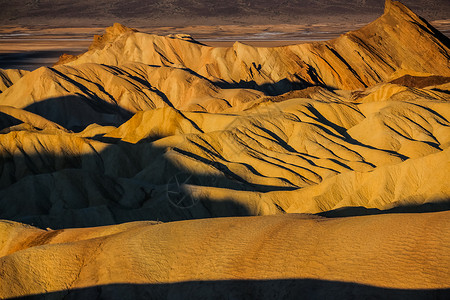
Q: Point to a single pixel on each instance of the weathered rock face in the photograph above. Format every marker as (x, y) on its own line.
(144, 127)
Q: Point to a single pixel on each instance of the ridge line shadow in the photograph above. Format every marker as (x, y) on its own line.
(243, 289)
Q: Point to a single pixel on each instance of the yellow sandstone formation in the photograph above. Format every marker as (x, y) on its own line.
(163, 128)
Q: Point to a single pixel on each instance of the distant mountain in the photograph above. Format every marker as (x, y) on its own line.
(197, 12)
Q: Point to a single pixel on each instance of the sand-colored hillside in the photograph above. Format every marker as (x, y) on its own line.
(274, 257)
(354, 60)
(160, 129)
(383, 147)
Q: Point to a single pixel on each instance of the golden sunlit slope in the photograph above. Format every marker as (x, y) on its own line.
(355, 60)
(282, 257)
(303, 154)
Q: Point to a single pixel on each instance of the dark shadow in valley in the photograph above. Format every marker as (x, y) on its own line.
(270, 89)
(353, 211)
(122, 183)
(76, 112)
(244, 289)
(31, 60)
(441, 91)
(420, 81)
(7, 121)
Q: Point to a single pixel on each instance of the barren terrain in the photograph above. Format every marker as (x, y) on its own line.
(166, 166)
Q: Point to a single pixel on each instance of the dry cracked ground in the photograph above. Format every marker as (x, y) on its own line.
(158, 167)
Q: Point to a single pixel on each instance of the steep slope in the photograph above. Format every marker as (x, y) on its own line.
(355, 60)
(282, 257)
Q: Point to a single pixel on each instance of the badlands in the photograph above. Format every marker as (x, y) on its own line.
(160, 167)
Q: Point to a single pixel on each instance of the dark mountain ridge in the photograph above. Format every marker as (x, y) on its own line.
(198, 12)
